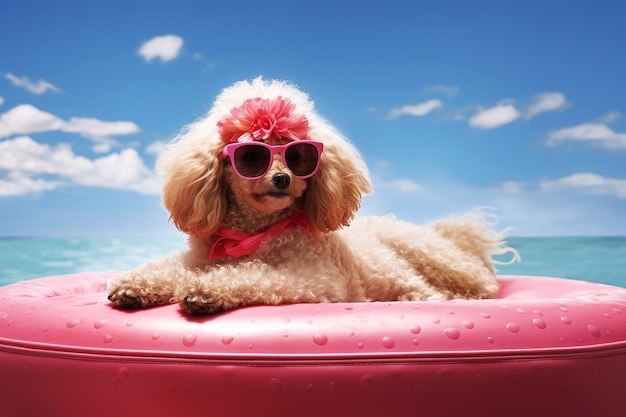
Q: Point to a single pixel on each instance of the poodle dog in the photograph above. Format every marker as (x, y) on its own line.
(264, 187)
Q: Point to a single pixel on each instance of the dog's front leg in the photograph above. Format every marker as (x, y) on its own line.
(150, 284)
(253, 283)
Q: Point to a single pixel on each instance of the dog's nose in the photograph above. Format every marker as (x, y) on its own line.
(281, 181)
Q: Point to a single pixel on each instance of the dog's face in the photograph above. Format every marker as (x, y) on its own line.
(277, 190)
(199, 183)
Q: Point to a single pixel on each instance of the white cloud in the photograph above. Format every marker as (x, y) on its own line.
(610, 117)
(94, 128)
(17, 183)
(495, 116)
(26, 161)
(99, 131)
(165, 48)
(512, 186)
(1, 100)
(383, 183)
(506, 112)
(545, 102)
(156, 147)
(39, 87)
(26, 119)
(420, 109)
(405, 185)
(462, 113)
(596, 133)
(445, 89)
(589, 182)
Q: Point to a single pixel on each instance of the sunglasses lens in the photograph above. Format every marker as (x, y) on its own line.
(251, 161)
(302, 158)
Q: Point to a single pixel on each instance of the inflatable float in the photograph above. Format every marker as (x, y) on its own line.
(544, 347)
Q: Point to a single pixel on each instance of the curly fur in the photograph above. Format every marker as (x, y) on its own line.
(374, 259)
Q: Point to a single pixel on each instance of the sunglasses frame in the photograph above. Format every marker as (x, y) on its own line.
(229, 151)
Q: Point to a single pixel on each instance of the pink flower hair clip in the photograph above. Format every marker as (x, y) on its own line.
(260, 119)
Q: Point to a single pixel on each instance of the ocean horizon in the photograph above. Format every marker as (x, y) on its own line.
(588, 258)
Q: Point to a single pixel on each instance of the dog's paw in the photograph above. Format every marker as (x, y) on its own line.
(126, 298)
(201, 305)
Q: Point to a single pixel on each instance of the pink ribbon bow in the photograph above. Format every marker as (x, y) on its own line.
(238, 244)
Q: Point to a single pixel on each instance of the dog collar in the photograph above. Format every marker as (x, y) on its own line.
(237, 244)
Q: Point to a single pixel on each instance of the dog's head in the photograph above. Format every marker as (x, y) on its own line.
(213, 155)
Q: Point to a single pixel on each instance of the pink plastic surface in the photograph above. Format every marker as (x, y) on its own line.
(545, 347)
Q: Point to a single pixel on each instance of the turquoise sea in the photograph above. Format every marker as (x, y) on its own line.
(597, 259)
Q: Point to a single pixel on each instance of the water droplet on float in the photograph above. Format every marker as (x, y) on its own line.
(129, 323)
(415, 329)
(367, 380)
(155, 336)
(360, 345)
(436, 320)
(566, 320)
(190, 340)
(388, 342)
(227, 340)
(490, 339)
(485, 315)
(539, 323)
(107, 338)
(122, 373)
(452, 333)
(512, 327)
(72, 323)
(468, 324)
(320, 339)
(276, 383)
(100, 324)
(594, 331)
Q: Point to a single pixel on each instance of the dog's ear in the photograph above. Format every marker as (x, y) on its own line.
(335, 192)
(193, 189)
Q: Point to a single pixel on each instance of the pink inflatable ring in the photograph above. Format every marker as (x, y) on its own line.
(545, 347)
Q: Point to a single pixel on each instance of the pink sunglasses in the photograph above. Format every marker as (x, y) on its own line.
(252, 160)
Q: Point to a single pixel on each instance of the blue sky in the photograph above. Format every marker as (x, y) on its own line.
(518, 106)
